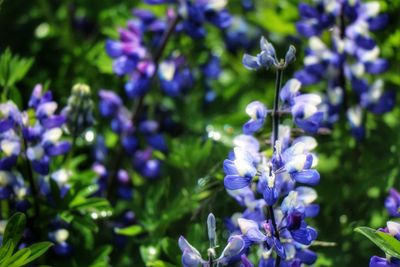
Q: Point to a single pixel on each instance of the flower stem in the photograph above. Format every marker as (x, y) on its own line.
(275, 113)
(138, 105)
(210, 260)
(275, 132)
(35, 193)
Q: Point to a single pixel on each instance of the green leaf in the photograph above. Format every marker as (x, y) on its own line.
(382, 240)
(130, 230)
(159, 263)
(37, 250)
(17, 259)
(85, 222)
(389, 239)
(14, 228)
(6, 250)
(90, 203)
(12, 70)
(96, 207)
(101, 257)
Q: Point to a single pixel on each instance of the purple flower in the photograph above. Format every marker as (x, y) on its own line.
(190, 255)
(353, 55)
(257, 112)
(392, 203)
(43, 132)
(383, 262)
(109, 103)
(239, 169)
(265, 59)
(175, 77)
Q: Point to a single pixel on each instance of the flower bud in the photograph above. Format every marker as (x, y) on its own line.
(212, 236)
(78, 111)
(290, 55)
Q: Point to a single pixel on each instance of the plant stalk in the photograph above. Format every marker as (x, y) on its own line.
(32, 184)
(275, 134)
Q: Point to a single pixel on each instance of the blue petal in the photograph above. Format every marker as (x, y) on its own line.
(304, 235)
(137, 87)
(307, 125)
(221, 19)
(378, 22)
(157, 141)
(255, 235)
(279, 249)
(307, 11)
(270, 195)
(306, 78)
(310, 177)
(377, 66)
(130, 144)
(379, 262)
(312, 210)
(306, 29)
(233, 182)
(359, 85)
(41, 167)
(53, 121)
(230, 167)
(5, 125)
(58, 149)
(123, 65)
(365, 42)
(250, 62)
(190, 259)
(114, 48)
(6, 163)
(306, 256)
(252, 126)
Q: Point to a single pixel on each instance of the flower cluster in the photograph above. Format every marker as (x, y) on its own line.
(14, 189)
(35, 137)
(35, 133)
(133, 58)
(142, 159)
(352, 54)
(196, 13)
(286, 175)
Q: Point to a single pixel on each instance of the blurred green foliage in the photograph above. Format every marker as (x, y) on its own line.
(62, 43)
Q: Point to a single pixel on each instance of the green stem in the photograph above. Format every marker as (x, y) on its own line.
(35, 193)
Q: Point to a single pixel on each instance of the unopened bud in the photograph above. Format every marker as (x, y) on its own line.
(212, 236)
(78, 111)
(290, 55)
